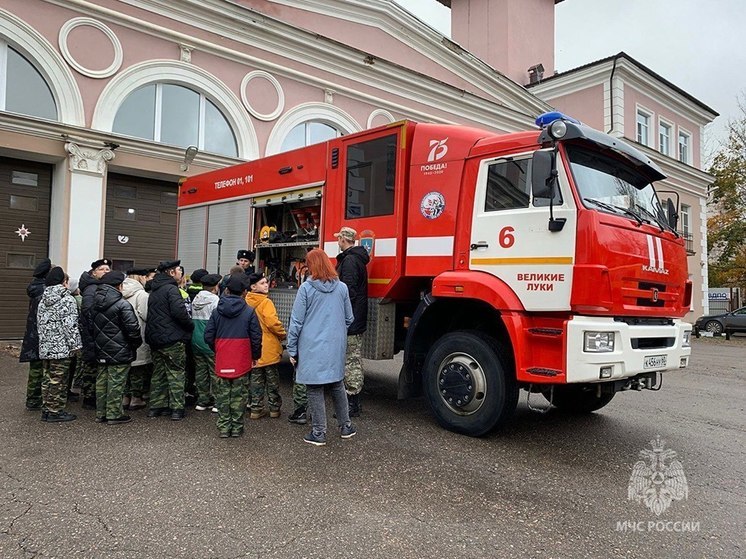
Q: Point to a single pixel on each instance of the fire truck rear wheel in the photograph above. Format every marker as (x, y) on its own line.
(467, 385)
(579, 399)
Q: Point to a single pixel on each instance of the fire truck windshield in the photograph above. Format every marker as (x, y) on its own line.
(608, 185)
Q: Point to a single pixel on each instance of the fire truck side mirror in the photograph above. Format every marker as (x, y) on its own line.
(673, 215)
(543, 174)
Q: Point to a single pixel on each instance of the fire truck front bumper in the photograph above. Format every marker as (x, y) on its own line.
(605, 349)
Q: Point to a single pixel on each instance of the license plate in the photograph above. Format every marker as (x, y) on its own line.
(654, 362)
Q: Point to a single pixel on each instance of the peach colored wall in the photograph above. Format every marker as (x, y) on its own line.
(586, 105)
(510, 35)
(633, 98)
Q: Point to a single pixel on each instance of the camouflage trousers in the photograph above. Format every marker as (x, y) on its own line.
(204, 378)
(167, 384)
(109, 390)
(354, 364)
(265, 380)
(300, 394)
(85, 374)
(33, 386)
(54, 385)
(134, 386)
(231, 396)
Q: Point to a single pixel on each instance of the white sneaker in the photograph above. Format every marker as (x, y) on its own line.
(199, 407)
(214, 409)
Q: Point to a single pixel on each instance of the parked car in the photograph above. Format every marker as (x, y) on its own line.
(729, 323)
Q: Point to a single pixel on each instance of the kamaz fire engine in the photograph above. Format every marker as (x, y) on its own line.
(539, 260)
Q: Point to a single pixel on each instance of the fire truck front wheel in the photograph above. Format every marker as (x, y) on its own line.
(467, 386)
(579, 399)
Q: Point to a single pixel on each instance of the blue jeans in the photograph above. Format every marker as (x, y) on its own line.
(317, 405)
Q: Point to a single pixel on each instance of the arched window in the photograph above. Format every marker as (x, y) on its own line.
(176, 115)
(22, 87)
(307, 133)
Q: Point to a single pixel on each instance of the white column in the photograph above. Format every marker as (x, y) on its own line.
(85, 239)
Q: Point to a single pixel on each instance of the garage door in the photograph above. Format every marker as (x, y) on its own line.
(140, 226)
(25, 189)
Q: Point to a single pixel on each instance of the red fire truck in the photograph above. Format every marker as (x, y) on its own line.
(539, 260)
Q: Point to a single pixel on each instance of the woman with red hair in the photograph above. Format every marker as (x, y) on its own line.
(317, 343)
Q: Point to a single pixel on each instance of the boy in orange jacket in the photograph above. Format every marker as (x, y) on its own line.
(265, 377)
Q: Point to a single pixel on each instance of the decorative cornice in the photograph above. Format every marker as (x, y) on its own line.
(88, 159)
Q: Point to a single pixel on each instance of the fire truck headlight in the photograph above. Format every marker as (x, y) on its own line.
(558, 129)
(598, 342)
(687, 340)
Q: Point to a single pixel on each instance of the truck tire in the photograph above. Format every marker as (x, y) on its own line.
(579, 399)
(468, 387)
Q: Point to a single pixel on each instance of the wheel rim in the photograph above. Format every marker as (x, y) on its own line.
(713, 327)
(461, 383)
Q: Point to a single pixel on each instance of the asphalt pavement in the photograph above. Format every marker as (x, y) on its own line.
(545, 486)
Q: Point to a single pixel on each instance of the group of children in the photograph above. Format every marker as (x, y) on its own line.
(236, 344)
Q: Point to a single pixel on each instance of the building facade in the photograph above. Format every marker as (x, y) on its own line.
(105, 105)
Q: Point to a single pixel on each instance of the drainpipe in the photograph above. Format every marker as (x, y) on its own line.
(611, 93)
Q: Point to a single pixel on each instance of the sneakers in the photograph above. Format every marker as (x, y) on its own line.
(214, 409)
(202, 407)
(59, 417)
(119, 420)
(157, 412)
(274, 414)
(137, 403)
(224, 434)
(314, 439)
(100, 420)
(258, 414)
(237, 433)
(347, 431)
(298, 416)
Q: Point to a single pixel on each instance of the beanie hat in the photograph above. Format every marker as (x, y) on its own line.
(42, 268)
(113, 278)
(236, 284)
(198, 274)
(255, 277)
(56, 276)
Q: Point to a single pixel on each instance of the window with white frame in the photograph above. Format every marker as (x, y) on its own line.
(664, 138)
(685, 215)
(643, 127)
(308, 133)
(684, 147)
(23, 89)
(176, 115)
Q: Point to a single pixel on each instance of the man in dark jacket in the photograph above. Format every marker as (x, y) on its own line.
(168, 328)
(87, 368)
(30, 346)
(351, 267)
(116, 337)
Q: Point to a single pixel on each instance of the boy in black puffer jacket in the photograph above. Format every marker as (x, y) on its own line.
(116, 336)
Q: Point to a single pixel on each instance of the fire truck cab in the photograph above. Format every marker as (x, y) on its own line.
(539, 260)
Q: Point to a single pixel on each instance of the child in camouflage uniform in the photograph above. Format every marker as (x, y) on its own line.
(265, 377)
(59, 338)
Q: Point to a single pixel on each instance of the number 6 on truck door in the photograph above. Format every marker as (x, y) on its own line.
(510, 237)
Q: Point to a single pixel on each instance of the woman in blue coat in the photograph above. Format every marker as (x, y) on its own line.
(317, 343)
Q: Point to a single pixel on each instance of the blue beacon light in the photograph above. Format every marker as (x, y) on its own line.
(544, 120)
